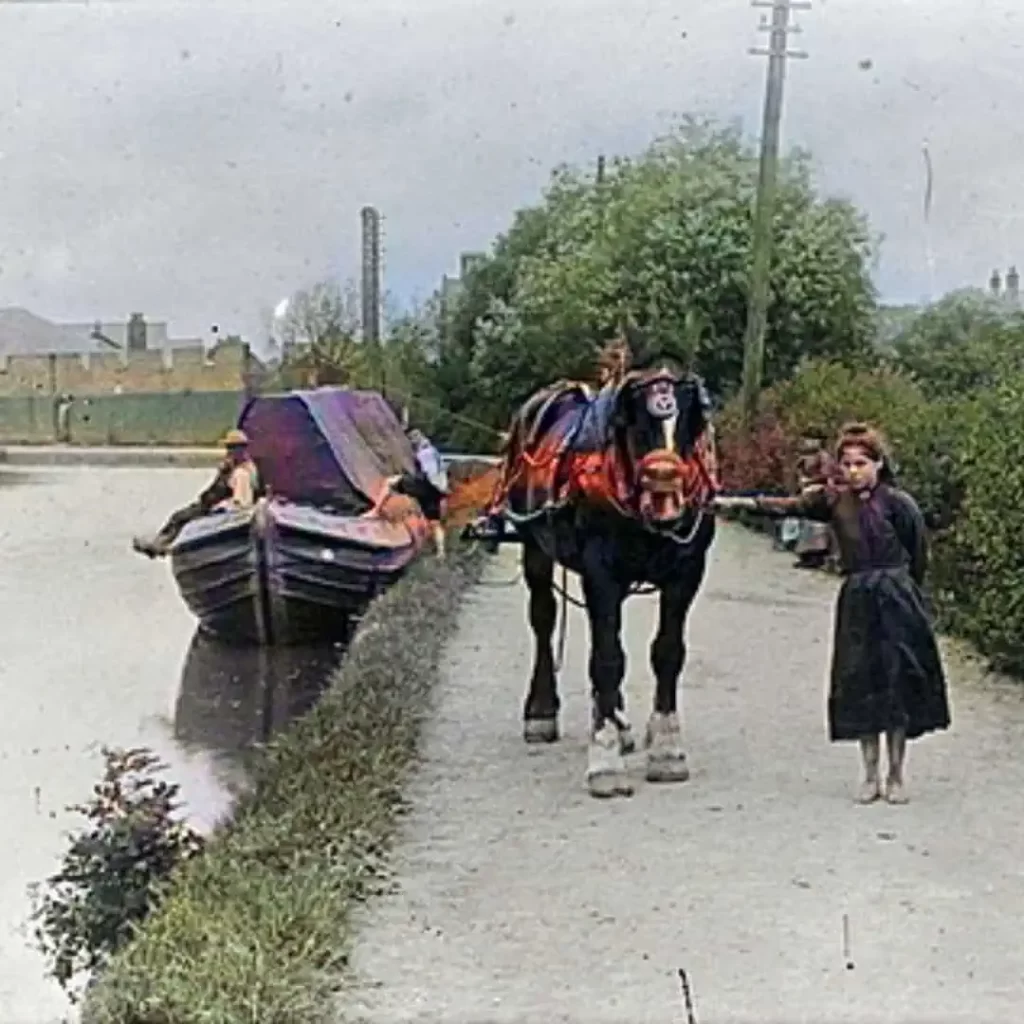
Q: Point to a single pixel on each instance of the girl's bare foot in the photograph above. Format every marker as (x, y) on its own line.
(895, 793)
(869, 791)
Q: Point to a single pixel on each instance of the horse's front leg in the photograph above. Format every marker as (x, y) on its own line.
(540, 711)
(666, 758)
(606, 768)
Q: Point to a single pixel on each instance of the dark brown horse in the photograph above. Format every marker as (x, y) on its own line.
(614, 487)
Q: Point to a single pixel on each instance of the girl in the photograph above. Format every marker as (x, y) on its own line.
(887, 676)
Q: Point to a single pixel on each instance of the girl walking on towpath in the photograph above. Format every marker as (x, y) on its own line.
(887, 676)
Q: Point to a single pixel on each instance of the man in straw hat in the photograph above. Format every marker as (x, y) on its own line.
(236, 485)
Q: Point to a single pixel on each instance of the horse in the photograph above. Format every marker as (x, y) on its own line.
(616, 487)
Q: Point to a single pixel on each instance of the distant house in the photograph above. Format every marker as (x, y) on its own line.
(23, 333)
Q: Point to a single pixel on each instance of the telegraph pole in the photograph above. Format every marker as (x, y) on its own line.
(777, 52)
(371, 275)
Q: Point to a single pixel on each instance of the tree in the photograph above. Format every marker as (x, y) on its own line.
(966, 342)
(664, 242)
(320, 337)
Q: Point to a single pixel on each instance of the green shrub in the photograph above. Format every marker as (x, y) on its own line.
(115, 869)
(985, 574)
(819, 399)
(257, 929)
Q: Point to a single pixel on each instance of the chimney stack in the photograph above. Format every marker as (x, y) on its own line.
(136, 333)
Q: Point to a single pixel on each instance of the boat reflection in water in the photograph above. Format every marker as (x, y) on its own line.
(233, 699)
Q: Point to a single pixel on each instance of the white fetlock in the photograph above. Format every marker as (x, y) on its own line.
(627, 741)
(606, 770)
(666, 759)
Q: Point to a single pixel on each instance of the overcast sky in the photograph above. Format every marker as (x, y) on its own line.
(199, 160)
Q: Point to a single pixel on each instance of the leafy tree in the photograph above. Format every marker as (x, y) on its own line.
(663, 243)
(965, 342)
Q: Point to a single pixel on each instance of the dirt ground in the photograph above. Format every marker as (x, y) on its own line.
(521, 898)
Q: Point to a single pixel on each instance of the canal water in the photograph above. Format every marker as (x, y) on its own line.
(96, 648)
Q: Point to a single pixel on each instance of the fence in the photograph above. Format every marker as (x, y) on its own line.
(177, 418)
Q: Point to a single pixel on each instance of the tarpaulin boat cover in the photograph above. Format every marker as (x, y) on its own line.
(330, 447)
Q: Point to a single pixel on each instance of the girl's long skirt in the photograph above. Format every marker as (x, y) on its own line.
(886, 671)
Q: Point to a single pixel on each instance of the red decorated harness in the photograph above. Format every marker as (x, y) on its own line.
(551, 470)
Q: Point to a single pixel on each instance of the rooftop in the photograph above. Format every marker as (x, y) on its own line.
(25, 333)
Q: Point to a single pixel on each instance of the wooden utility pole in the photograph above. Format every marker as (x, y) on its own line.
(757, 307)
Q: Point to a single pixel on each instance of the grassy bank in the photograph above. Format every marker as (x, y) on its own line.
(257, 929)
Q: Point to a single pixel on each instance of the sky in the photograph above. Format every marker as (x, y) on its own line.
(197, 160)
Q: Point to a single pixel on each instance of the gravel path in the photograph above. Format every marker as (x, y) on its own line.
(521, 898)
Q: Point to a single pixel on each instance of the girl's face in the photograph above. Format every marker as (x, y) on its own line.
(860, 470)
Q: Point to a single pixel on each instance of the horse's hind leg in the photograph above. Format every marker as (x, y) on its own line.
(540, 712)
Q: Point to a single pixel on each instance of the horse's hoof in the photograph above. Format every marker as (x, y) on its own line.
(667, 770)
(540, 730)
(605, 785)
(666, 760)
(606, 770)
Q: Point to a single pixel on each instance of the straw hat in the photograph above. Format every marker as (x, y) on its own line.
(235, 439)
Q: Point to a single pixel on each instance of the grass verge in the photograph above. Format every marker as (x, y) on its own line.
(257, 929)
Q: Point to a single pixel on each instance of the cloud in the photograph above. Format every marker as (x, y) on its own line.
(199, 160)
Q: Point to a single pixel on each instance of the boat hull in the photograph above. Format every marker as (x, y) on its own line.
(286, 574)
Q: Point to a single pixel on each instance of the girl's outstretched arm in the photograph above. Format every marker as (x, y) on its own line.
(813, 503)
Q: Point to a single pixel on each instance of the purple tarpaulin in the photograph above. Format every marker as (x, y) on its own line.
(331, 447)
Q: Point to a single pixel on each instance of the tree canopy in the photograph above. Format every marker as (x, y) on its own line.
(965, 342)
(663, 243)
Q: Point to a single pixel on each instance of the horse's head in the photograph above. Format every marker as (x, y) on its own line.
(661, 414)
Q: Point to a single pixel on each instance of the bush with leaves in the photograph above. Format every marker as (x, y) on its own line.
(116, 868)
(819, 398)
(985, 575)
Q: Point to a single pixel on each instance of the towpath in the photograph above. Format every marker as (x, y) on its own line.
(521, 898)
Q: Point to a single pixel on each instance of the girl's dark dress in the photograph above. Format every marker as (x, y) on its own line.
(886, 671)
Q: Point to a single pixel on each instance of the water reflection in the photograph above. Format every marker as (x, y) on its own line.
(233, 699)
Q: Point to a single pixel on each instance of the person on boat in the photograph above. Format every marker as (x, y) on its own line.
(237, 485)
(887, 675)
(427, 485)
(814, 468)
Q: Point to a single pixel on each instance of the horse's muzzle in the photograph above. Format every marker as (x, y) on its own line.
(665, 485)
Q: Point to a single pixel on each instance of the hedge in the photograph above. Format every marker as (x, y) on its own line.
(256, 929)
(959, 456)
